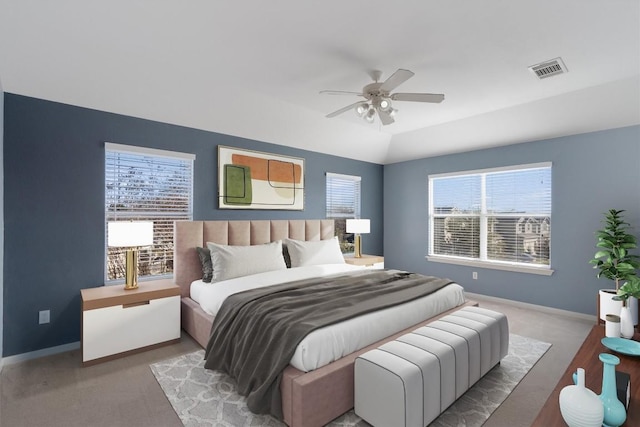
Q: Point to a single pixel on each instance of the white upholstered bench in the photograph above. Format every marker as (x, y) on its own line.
(410, 381)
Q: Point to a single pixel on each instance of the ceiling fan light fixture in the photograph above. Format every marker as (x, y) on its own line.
(392, 111)
(362, 109)
(370, 114)
(385, 104)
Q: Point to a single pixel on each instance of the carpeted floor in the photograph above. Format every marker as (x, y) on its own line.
(202, 397)
(56, 391)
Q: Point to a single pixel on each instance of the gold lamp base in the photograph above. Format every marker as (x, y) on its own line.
(358, 252)
(131, 270)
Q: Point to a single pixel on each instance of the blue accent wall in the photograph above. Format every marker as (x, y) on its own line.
(54, 204)
(591, 174)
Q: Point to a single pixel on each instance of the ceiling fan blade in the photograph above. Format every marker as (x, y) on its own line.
(340, 92)
(418, 97)
(347, 108)
(396, 79)
(385, 117)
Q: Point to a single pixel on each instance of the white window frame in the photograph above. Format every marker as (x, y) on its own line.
(156, 153)
(483, 261)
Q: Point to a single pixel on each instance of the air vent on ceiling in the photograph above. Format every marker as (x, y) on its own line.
(549, 68)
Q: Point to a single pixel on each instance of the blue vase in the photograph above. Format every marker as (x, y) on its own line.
(614, 412)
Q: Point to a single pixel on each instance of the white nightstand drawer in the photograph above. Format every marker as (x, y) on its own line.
(116, 329)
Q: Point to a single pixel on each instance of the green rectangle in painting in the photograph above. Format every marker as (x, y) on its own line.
(237, 185)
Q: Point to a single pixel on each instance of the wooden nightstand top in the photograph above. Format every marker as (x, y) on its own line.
(108, 296)
(364, 260)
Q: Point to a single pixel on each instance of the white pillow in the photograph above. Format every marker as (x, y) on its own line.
(236, 261)
(314, 252)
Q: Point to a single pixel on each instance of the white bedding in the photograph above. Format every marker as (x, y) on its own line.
(330, 343)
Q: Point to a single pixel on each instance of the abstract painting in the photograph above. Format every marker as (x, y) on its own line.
(254, 180)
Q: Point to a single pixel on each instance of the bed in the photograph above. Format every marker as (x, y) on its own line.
(308, 398)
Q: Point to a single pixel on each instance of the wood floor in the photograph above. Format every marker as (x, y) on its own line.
(57, 391)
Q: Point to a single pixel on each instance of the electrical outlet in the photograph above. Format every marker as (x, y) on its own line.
(475, 275)
(44, 316)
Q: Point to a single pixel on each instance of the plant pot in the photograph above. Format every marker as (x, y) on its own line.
(607, 304)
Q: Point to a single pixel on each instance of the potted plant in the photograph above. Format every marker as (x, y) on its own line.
(615, 261)
(627, 292)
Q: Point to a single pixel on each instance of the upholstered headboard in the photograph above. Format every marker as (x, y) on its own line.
(190, 234)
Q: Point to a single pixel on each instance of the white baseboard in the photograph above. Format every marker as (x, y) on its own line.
(542, 308)
(40, 353)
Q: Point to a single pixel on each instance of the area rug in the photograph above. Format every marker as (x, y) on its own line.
(206, 398)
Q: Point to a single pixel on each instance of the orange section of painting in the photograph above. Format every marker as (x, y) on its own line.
(269, 169)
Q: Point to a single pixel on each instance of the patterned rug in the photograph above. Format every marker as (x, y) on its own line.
(207, 398)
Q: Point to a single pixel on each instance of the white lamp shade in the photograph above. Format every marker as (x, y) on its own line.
(358, 226)
(127, 234)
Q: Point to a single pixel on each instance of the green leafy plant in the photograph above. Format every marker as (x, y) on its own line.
(613, 259)
(629, 289)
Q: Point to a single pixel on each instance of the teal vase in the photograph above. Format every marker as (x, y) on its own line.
(614, 412)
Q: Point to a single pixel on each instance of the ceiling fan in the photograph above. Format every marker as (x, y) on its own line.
(378, 97)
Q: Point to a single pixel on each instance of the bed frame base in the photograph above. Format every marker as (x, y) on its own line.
(309, 399)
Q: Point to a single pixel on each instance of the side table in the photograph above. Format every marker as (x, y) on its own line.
(116, 322)
(587, 358)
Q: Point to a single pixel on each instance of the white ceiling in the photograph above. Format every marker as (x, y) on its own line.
(254, 68)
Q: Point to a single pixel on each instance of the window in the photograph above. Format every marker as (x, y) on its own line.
(143, 184)
(497, 218)
(343, 202)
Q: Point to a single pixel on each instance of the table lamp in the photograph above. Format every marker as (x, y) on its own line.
(358, 227)
(130, 235)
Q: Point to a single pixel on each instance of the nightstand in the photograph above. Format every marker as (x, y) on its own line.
(369, 261)
(117, 322)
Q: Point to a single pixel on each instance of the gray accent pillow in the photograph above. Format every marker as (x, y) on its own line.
(205, 260)
(304, 253)
(237, 261)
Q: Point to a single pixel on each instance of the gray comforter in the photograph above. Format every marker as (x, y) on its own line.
(256, 332)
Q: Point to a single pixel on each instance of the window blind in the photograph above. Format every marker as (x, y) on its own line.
(456, 218)
(147, 185)
(343, 196)
(497, 215)
(342, 203)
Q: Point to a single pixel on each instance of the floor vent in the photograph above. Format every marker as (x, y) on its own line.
(549, 68)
